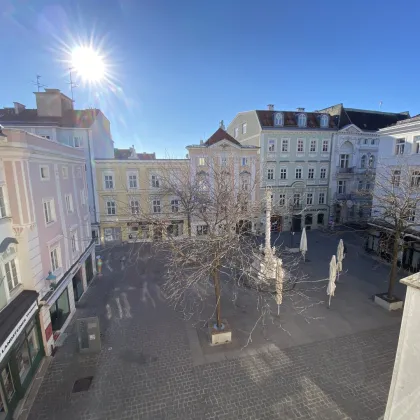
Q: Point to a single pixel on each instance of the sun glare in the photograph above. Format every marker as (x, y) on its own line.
(88, 64)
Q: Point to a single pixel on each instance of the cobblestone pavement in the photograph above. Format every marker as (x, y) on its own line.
(145, 369)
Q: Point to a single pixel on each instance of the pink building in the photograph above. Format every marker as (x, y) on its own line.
(46, 249)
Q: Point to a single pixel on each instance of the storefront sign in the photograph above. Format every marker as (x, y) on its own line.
(315, 209)
(13, 336)
(48, 332)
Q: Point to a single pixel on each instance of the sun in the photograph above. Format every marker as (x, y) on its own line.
(88, 64)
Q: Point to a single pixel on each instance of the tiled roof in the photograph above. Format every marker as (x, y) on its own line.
(220, 135)
(71, 118)
(409, 120)
(266, 118)
(125, 153)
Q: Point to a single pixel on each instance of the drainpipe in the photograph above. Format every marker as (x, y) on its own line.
(91, 175)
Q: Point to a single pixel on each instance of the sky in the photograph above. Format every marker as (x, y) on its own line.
(175, 68)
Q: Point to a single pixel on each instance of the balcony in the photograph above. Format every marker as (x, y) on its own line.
(348, 170)
(342, 196)
(297, 206)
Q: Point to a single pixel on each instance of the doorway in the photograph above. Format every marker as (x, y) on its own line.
(297, 223)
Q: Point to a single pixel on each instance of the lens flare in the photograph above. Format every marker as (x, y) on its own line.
(88, 64)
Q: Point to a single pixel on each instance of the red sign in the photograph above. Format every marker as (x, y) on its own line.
(48, 331)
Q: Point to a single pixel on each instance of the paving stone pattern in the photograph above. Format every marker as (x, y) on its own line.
(145, 369)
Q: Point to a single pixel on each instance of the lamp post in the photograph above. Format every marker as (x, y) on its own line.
(51, 278)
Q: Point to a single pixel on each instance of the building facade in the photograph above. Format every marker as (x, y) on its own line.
(295, 155)
(130, 197)
(47, 254)
(399, 160)
(55, 118)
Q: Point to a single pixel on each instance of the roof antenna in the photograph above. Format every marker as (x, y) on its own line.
(380, 105)
(38, 84)
(72, 84)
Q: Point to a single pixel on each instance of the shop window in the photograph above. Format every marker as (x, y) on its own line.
(320, 219)
(23, 360)
(308, 219)
(59, 311)
(9, 387)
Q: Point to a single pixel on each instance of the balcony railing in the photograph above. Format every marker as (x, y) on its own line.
(348, 170)
(342, 196)
(297, 206)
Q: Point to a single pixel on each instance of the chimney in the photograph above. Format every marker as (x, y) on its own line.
(300, 109)
(18, 107)
(270, 107)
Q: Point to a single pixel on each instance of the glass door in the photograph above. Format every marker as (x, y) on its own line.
(8, 394)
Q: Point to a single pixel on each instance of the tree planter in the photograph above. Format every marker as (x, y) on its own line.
(220, 336)
(382, 299)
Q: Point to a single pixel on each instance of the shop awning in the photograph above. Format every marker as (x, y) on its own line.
(14, 317)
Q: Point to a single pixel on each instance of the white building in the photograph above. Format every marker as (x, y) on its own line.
(295, 154)
(399, 154)
(56, 119)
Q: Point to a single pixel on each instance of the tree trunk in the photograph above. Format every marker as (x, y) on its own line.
(393, 273)
(216, 279)
(189, 224)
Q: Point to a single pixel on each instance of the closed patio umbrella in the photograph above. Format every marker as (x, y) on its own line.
(331, 282)
(340, 257)
(303, 244)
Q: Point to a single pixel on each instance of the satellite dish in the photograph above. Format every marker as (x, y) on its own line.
(349, 204)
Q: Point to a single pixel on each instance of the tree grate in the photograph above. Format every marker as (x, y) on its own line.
(82, 384)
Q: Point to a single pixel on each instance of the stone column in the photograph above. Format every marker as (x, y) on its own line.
(403, 400)
(268, 222)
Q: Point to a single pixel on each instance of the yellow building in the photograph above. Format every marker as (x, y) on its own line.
(130, 198)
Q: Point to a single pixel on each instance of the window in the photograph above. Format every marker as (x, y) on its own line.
(111, 208)
(344, 161)
(372, 142)
(201, 161)
(271, 146)
(74, 246)
(69, 203)
(156, 205)
(175, 206)
(298, 173)
(49, 211)
(320, 219)
(11, 274)
(363, 162)
(55, 259)
(202, 230)
(155, 181)
(415, 179)
(360, 186)
(132, 181)
(300, 146)
(223, 161)
(308, 219)
(282, 199)
(323, 173)
(202, 183)
(244, 128)
(311, 173)
(65, 172)
(416, 141)
(235, 132)
(270, 174)
(324, 121)
(367, 186)
(283, 173)
(77, 141)
(341, 187)
(309, 199)
(60, 311)
(278, 119)
(245, 183)
(313, 146)
(396, 178)
(2, 204)
(302, 120)
(45, 172)
(135, 206)
(83, 197)
(78, 172)
(109, 182)
(285, 145)
(296, 199)
(46, 137)
(366, 141)
(321, 198)
(244, 161)
(399, 147)
(411, 216)
(325, 145)
(371, 161)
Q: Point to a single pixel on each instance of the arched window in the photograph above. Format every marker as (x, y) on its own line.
(371, 161)
(324, 121)
(363, 162)
(279, 119)
(302, 120)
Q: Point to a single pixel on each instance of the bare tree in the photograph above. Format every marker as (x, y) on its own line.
(396, 196)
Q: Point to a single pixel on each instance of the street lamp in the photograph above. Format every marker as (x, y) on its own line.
(51, 278)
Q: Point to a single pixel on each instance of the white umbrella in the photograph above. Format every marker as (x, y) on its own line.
(279, 284)
(303, 243)
(331, 282)
(340, 257)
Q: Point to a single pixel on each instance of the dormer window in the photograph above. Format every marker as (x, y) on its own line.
(279, 119)
(324, 121)
(302, 120)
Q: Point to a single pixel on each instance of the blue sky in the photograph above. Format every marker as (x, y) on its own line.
(180, 66)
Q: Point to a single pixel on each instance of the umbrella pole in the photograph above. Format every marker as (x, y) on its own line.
(329, 302)
(278, 310)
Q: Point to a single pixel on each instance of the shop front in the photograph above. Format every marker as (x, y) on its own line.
(315, 217)
(21, 350)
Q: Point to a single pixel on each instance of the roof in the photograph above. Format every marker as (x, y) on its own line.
(410, 120)
(14, 311)
(221, 135)
(266, 118)
(366, 120)
(125, 154)
(71, 118)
